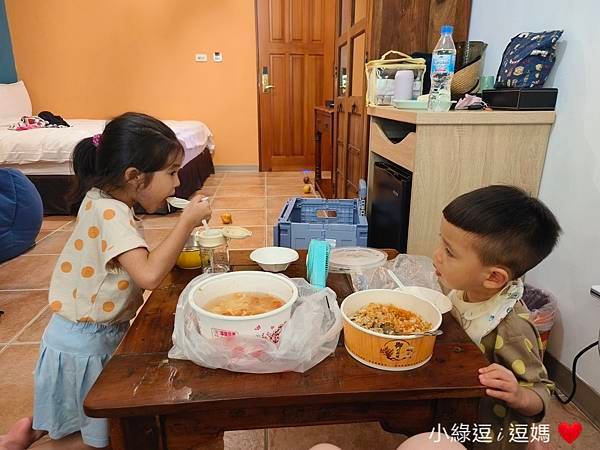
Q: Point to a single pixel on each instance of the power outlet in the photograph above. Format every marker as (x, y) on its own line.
(217, 57)
(595, 291)
(201, 57)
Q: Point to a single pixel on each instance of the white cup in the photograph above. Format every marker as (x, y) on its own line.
(403, 85)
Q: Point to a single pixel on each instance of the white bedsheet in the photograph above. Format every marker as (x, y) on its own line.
(55, 145)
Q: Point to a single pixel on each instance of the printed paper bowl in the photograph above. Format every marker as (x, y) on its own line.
(383, 351)
(268, 325)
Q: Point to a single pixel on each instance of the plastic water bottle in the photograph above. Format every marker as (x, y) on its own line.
(442, 69)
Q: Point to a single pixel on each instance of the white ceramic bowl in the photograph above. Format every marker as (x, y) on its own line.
(437, 299)
(385, 351)
(267, 325)
(274, 259)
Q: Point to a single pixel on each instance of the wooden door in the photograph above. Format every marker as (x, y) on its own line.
(293, 66)
(350, 133)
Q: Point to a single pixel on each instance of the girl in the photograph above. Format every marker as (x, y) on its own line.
(96, 287)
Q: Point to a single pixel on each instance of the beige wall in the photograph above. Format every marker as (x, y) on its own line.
(98, 59)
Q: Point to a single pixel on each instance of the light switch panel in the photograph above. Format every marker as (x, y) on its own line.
(201, 57)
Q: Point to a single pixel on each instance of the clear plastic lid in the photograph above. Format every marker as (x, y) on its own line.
(355, 259)
(234, 232)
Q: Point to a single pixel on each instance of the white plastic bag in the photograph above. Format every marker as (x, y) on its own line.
(412, 270)
(311, 334)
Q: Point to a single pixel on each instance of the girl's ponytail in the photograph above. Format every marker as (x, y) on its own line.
(84, 168)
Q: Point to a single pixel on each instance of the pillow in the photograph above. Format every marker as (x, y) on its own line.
(14, 100)
(21, 213)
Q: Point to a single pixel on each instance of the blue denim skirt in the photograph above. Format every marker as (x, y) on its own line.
(72, 355)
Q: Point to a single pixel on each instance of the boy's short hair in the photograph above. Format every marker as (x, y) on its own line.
(516, 231)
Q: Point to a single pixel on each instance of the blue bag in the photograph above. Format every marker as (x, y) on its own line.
(528, 59)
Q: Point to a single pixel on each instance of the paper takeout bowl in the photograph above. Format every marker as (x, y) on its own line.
(383, 351)
(267, 325)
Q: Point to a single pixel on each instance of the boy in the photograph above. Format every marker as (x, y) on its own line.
(490, 238)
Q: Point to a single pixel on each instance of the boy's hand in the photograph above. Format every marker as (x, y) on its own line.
(197, 210)
(503, 385)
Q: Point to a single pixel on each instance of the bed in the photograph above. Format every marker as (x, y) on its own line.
(43, 154)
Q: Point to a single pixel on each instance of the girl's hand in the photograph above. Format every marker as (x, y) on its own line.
(503, 385)
(197, 210)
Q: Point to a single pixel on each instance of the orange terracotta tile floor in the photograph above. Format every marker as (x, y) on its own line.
(254, 201)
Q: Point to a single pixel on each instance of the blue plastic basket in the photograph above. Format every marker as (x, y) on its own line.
(304, 219)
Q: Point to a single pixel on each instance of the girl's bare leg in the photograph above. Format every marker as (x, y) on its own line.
(21, 436)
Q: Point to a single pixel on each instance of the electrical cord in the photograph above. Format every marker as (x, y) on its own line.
(574, 372)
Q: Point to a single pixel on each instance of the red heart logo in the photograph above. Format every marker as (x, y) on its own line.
(569, 432)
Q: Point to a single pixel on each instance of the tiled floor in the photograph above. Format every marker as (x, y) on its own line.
(254, 201)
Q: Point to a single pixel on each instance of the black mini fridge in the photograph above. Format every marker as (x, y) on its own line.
(390, 206)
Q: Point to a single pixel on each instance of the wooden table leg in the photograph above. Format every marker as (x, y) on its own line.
(133, 433)
(196, 442)
(451, 411)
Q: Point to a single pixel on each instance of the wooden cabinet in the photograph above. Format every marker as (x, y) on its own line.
(324, 151)
(454, 152)
(365, 29)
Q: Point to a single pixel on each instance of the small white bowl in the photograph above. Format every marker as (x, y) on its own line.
(274, 259)
(437, 299)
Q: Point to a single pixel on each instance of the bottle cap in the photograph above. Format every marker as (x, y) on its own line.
(447, 29)
(210, 238)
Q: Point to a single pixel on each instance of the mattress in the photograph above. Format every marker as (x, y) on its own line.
(49, 149)
(65, 168)
(54, 188)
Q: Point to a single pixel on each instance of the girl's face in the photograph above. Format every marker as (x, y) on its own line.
(161, 186)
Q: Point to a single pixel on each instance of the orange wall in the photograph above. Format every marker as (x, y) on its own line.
(98, 59)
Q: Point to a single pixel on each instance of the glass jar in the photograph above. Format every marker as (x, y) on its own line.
(214, 251)
(190, 258)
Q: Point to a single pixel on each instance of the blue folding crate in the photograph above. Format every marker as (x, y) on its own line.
(302, 219)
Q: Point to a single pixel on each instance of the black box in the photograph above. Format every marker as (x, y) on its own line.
(521, 99)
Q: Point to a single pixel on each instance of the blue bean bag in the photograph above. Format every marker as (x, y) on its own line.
(21, 213)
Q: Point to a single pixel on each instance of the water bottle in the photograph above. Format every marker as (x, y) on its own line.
(442, 69)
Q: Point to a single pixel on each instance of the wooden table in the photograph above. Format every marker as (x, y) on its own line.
(157, 403)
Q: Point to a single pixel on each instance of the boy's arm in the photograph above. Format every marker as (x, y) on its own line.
(502, 384)
(523, 381)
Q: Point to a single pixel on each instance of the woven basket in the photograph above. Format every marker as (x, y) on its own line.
(466, 80)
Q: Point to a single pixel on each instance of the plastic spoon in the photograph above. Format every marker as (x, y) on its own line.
(396, 279)
(177, 202)
(181, 203)
(205, 223)
(426, 333)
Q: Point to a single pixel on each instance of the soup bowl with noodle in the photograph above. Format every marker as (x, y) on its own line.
(244, 304)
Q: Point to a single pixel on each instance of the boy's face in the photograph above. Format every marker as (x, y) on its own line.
(456, 261)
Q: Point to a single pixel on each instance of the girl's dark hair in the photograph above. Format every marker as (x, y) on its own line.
(129, 140)
(515, 230)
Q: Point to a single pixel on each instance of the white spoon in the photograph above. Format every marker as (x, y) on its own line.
(177, 202)
(395, 279)
(181, 203)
